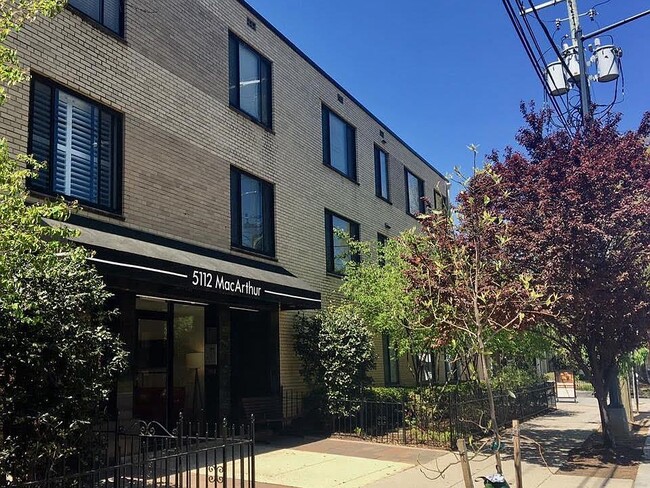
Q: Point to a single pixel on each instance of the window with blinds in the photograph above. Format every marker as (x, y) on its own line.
(109, 13)
(250, 81)
(79, 140)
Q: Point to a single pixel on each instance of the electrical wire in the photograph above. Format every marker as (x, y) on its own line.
(531, 56)
(544, 65)
(551, 40)
(601, 3)
(607, 108)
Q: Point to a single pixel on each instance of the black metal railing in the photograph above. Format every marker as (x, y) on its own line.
(438, 422)
(192, 454)
(470, 416)
(414, 422)
(292, 404)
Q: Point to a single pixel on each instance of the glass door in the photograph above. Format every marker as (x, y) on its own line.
(169, 361)
(150, 394)
(189, 364)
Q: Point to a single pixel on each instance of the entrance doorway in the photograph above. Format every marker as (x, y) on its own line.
(254, 356)
(169, 361)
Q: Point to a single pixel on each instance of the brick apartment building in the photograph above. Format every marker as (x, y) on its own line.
(212, 159)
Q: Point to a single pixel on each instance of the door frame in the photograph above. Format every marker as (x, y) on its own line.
(168, 318)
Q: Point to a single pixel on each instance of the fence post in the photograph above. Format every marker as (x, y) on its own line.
(464, 462)
(517, 453)
(404, 422)
(452, 420)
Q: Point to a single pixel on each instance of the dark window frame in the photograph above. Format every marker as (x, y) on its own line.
(329, 240)
(268, 205)
(99, 23)
(437, 200)
(378, 175)
(388, 380)
(234, 76)
(421, 194)
(351, 144)
(118, 146)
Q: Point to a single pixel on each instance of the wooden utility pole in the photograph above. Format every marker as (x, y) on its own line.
(464, 462)
(517, 453)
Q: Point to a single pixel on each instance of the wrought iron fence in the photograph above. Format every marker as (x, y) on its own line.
(415, 422)
(439, 422)
(192, 455)
(471, 416)
(292, 404)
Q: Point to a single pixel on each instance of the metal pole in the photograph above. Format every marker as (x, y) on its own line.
(635, 385)
(585, 96)
(615, 25)
(526, 11)
(576, 36)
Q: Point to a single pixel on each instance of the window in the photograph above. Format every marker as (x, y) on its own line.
(437, 200)
(339, 144)
(109, 13)
(251, 211)
(250, 81)
(427, 368)
(81, 140)
(391, 363)
(338, 251)
(381, 174)
(414, 193)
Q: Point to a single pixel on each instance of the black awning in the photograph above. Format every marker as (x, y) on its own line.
(124, 252)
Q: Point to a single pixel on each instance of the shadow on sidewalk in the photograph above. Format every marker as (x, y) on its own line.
(352, 448)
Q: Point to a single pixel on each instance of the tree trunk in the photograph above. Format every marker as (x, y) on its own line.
(493, 412)
(415, 364)
(600, 383)
(608, 439)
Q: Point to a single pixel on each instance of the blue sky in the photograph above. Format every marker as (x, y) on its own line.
(444, 73)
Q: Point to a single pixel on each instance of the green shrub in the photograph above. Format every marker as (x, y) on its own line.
(59, 359)
(388, 394)
(337, 353)
(512, 378)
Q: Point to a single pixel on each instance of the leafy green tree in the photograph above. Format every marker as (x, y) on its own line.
(376, 287)
(464, 280)
(14, 14)
(59, 359)
(336, 351)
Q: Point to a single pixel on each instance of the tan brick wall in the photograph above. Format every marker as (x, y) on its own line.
(170, 80)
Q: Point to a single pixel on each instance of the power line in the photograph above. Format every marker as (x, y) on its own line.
(529, 52)
(543, 68)
(550, 39)
(570, 70)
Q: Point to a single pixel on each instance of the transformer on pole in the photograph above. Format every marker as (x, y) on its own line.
(574, 68)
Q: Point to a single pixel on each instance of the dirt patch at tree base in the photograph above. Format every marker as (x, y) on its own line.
(592, 459)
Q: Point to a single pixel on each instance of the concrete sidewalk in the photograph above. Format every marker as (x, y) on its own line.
(312, 463)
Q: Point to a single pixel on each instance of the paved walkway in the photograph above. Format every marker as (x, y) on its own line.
(325, 463)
